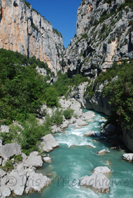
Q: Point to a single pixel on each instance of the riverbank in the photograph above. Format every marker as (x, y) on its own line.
(75, 139)
(77, 157)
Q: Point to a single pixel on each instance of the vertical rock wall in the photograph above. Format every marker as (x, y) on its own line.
(24, 30)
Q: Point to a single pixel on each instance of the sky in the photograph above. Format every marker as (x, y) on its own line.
(61, 14)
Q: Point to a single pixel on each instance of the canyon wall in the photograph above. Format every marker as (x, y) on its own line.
(24, 30)
(104, 34)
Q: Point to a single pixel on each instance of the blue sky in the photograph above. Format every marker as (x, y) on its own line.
(61, 14)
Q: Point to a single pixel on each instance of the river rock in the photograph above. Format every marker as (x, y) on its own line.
(90, 133)
(37, 182)
(49, 143)
(88, 115)
(2, 173)
(80, 122)
(110, 129)
(97, 182)
(71, 104)
(128, 157)
(65, 124)
(4, 128)
(17, 180)
(55, 129)
(102, 169)
(33, 160)
(102, 152)
(10, 150)
(5, 191)
(47, 159)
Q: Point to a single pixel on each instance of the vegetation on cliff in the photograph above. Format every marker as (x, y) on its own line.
(22, 89)
(118, 86)
(22, 93)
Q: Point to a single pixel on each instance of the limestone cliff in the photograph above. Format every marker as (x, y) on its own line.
(24, 30)
(104, 34)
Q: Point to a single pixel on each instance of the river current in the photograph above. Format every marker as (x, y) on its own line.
(77, 157)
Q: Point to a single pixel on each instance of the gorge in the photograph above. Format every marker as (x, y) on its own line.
(53, 84)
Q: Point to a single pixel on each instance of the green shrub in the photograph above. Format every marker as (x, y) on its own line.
(17, 158)
(31, 134)
(68, 113)
(51, 97)
(34, 27)
(8, 166)
(57, 117)
(22, 89)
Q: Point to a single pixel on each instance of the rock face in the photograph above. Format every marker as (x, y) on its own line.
(128, 138)
(10, 150)
(103, 35)
(26, 31)
(97, 182)
(49, 143)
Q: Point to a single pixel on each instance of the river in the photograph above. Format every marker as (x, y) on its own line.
(77, 157)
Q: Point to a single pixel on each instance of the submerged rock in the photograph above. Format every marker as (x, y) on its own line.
(97, 182)
(128, 157)
(49, 143)
(102, 152)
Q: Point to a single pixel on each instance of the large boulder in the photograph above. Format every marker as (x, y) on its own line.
(128, 157)
(90, 133)
(80, 122)
(5, 191)
(102, 169)
(10, 150)
(110, 129)
(88, 115)
(33, 160)
(71, 104)
(47, 159)
(37, 182)
(49, 143)
(97, 182)
(17, 180)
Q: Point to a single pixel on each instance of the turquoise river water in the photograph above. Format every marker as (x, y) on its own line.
(77, 157)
